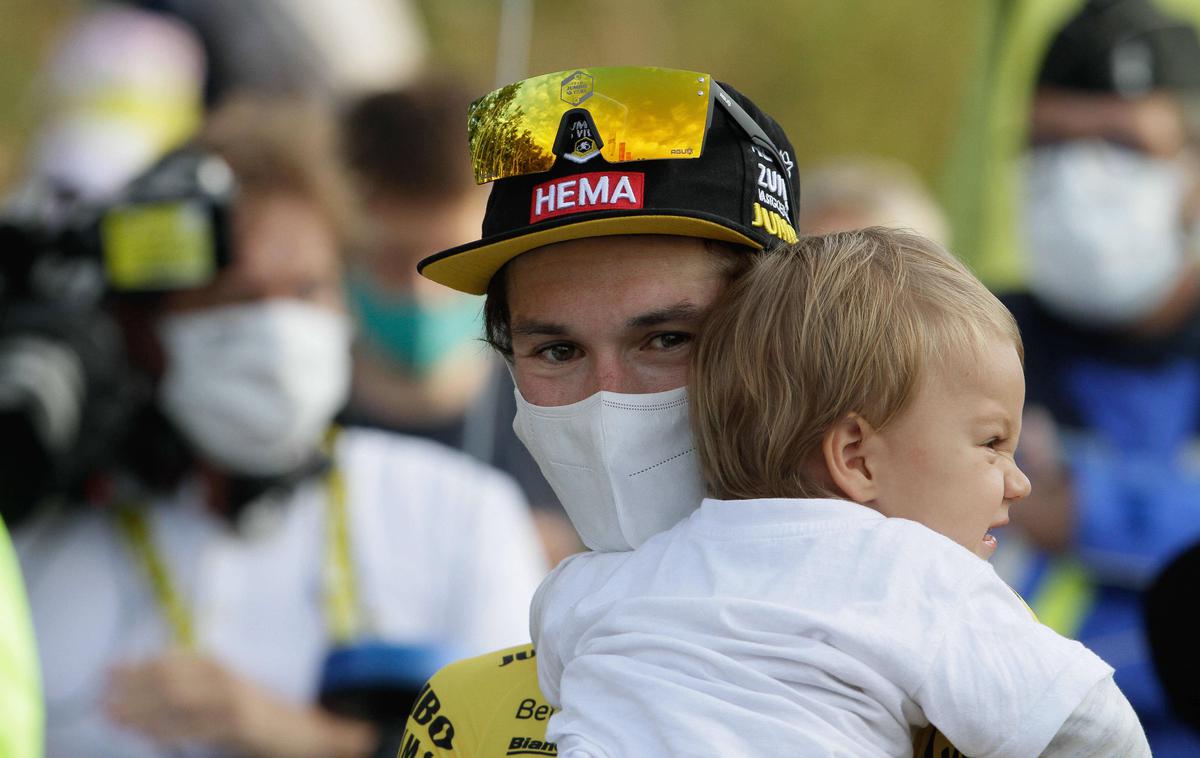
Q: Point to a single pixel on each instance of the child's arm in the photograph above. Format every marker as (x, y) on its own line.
(1000, 683)
(1103, 718)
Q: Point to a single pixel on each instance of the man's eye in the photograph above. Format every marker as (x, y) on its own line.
(669, 340)
(559, 353)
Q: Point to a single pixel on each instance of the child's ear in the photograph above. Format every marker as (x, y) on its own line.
(847, 460)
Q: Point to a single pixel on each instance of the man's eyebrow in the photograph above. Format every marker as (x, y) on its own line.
(679, 312)
(538, 329)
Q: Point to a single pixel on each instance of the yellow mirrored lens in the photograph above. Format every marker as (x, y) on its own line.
(641, 114)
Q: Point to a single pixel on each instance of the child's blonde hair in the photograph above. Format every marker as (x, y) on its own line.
(830, 325)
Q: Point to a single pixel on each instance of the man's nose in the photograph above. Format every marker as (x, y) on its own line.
(611, 373)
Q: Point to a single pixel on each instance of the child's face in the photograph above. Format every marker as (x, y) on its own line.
(947, 461)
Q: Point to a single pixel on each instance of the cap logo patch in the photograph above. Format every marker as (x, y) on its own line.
(581, 193)
(773, 224)
(578, 138)
(771, 208)
(576, 88)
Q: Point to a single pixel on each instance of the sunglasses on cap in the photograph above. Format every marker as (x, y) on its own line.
(623, 113)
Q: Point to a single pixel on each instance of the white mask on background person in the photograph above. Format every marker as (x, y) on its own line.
(254, 386)
(1103, 231)
(623, 466)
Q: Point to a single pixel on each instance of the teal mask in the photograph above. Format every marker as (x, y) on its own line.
(412, 334)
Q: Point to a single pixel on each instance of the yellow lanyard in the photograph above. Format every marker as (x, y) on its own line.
(341, 585)
(133, 523)
(341, 590)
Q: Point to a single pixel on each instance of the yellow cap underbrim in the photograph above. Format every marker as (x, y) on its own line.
(469, 268)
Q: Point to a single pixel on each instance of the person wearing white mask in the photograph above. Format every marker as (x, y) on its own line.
(604, 244)
(1111, 321)
(253, 572)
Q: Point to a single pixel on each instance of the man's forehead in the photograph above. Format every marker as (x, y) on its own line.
(624, 261)
(628, 275)
(581, 292)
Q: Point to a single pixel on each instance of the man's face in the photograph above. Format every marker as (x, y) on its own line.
(616, 314)
(257, 362)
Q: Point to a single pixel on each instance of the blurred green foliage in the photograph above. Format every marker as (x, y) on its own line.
(27, 29)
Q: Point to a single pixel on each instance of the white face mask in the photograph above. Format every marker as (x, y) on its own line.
(254, 386)
(1103, 230)
(623, 466)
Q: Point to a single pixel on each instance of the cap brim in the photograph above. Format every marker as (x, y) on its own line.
(469, 268)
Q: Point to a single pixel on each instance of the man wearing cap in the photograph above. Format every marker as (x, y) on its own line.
(598, 267)
(624, 201)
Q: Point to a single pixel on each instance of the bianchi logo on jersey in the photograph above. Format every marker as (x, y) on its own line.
(528, 746)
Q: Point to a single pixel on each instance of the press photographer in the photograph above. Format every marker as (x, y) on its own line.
(229, 571)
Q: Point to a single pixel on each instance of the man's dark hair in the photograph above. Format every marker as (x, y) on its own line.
(732, 259)
(409, 141)
(495, 314)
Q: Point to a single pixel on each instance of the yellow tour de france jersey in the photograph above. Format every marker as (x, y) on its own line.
(491, 706)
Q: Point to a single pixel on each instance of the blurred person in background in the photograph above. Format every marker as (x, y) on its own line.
(104, 117)
(247, 579)
(848, 193)
(331, 49)
(420, 365)
(1111, 322)
(1172, 644)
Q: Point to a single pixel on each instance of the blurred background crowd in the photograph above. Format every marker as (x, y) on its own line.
(261, 485)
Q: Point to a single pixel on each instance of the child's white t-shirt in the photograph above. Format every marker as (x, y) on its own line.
(798, 627)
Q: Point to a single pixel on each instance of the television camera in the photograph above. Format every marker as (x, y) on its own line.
(67, 389)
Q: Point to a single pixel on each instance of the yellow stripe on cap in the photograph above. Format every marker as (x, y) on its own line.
(471, 269)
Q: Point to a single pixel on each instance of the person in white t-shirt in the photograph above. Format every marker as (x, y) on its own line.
(856, 402)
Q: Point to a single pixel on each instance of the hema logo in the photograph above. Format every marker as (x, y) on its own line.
(598, 191)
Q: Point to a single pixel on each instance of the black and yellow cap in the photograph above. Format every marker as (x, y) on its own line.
(741, 189)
